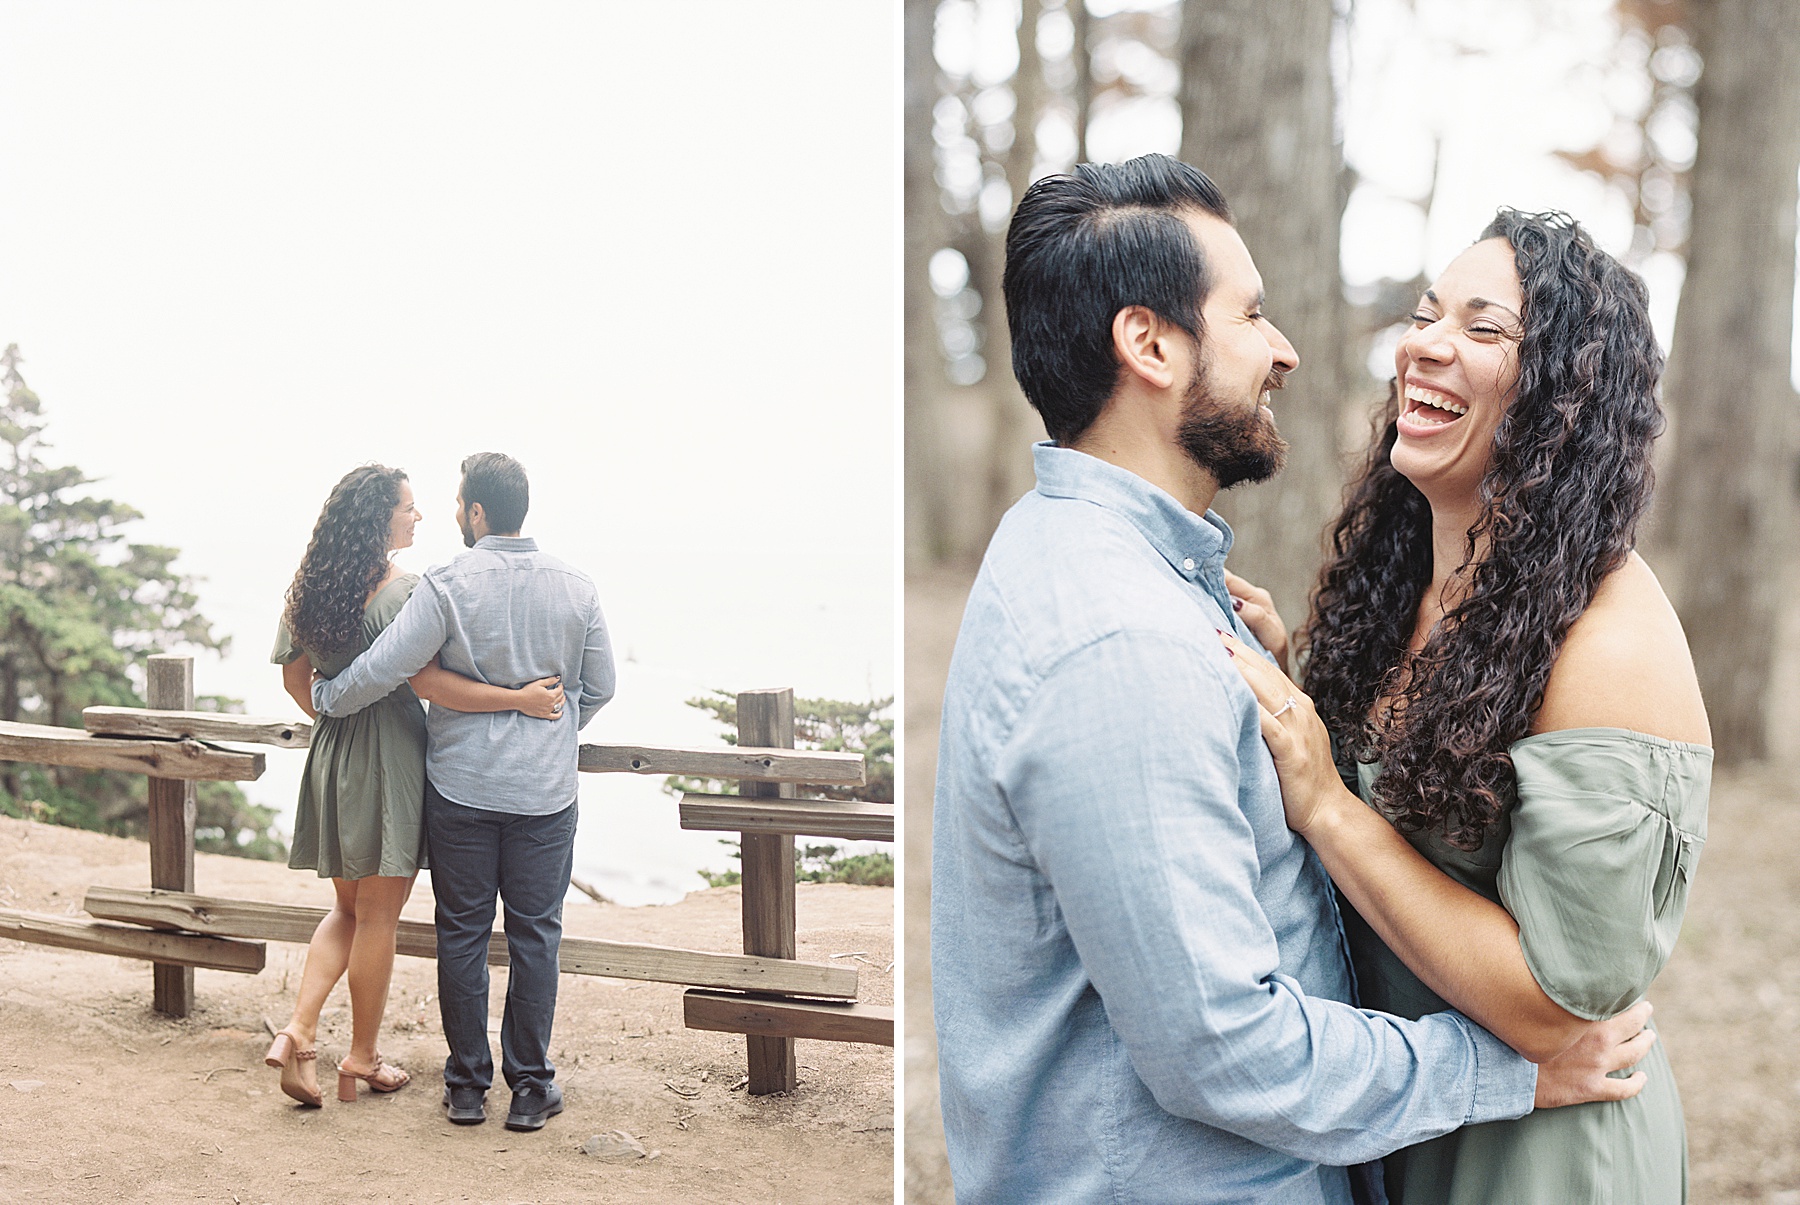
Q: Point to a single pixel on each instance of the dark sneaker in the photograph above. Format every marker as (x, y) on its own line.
(532, 1106)
(466, 1106)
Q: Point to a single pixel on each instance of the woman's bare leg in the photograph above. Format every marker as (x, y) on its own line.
(378, 904)
(326, 958)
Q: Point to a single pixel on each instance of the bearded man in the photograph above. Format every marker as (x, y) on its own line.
(1138, 971)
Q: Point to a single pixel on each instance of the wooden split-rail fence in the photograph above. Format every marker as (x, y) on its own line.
(764, 993)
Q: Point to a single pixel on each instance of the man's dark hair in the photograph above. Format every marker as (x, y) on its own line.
(1081, 248)
(497, 481)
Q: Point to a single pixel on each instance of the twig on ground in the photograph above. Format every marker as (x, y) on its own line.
(588, 889)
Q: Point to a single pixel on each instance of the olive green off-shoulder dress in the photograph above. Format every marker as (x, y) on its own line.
(1594, 860)
(362, 795)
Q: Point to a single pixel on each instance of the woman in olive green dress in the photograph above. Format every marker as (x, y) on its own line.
(360, 818)
(1510, 694)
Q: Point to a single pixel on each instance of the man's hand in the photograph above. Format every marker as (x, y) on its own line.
(1257, 609)
(1579, 1074)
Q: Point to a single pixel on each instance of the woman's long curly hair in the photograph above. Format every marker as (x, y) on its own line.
(1561, 500)
(347, 558)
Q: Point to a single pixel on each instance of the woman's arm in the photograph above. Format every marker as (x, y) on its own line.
(1460, 944)
(1623, 665)
(296, 679)
(442, 688)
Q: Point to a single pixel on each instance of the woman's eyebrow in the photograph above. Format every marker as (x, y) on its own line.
(1480, 303)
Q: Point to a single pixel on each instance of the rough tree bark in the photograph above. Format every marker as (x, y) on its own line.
(1728, 509)
(1279, 164)
(1084, 75)
(926, 380)
(1015, 423)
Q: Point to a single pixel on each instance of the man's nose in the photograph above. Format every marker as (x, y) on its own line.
(1286, 358)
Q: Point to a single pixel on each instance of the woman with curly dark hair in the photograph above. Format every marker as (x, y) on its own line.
(360, 816)
(1510, 694)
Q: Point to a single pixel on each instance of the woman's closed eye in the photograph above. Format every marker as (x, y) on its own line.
(1485, 329)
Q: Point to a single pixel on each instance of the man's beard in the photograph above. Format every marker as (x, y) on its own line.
(468, 533)
(1235, 445)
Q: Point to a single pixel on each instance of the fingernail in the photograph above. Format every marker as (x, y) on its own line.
(1237, 604)
(1229, 651)
(1220, 631)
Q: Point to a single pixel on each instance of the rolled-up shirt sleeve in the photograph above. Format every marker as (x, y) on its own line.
(404, 647)
(597, 678)
(1132, 813)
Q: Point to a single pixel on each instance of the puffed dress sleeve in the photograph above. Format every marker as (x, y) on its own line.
(285, 649)
(1605, 838)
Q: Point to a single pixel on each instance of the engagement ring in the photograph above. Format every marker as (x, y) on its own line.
(1288, 706)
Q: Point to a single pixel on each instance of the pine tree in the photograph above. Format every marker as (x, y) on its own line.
(81, 606)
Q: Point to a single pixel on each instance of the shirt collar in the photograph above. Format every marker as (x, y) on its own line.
(1190, 543)
(507, 543)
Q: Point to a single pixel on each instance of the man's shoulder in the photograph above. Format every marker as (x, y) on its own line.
(480, 562)
(1069, 573)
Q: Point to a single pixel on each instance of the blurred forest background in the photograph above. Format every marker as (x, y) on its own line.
(1362, 143)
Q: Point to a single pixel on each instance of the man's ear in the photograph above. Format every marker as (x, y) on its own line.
(1144, 344)
(476, 514)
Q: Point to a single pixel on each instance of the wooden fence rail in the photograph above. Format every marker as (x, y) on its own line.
(172, 758)
(176, 910)
(197, 725)
(851, 819)
(128, 941)
(764, 764)
(774, 1016)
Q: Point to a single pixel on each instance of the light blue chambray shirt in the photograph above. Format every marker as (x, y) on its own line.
(504, 613)
(1137, 968)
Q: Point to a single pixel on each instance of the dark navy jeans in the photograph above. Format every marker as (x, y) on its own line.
(525, 861)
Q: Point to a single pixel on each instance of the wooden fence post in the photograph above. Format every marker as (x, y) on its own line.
(170, 687)
(766, 718)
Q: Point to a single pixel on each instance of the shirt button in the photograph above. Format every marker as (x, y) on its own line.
(1188, 564)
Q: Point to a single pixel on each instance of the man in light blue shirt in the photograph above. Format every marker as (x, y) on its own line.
(1139, 977)
(500, 787)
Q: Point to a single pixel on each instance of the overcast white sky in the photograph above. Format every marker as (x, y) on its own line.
(648, 249)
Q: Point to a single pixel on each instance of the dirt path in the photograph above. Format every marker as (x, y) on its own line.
(101, 1099)
(1727, 1006)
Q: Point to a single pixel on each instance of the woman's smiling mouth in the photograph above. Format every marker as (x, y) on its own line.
(1429, 408)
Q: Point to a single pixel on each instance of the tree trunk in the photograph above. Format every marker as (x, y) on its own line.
(1257, 111)
(1728, 511)
(1015, 423)
(1083, 59)
(926, 381)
